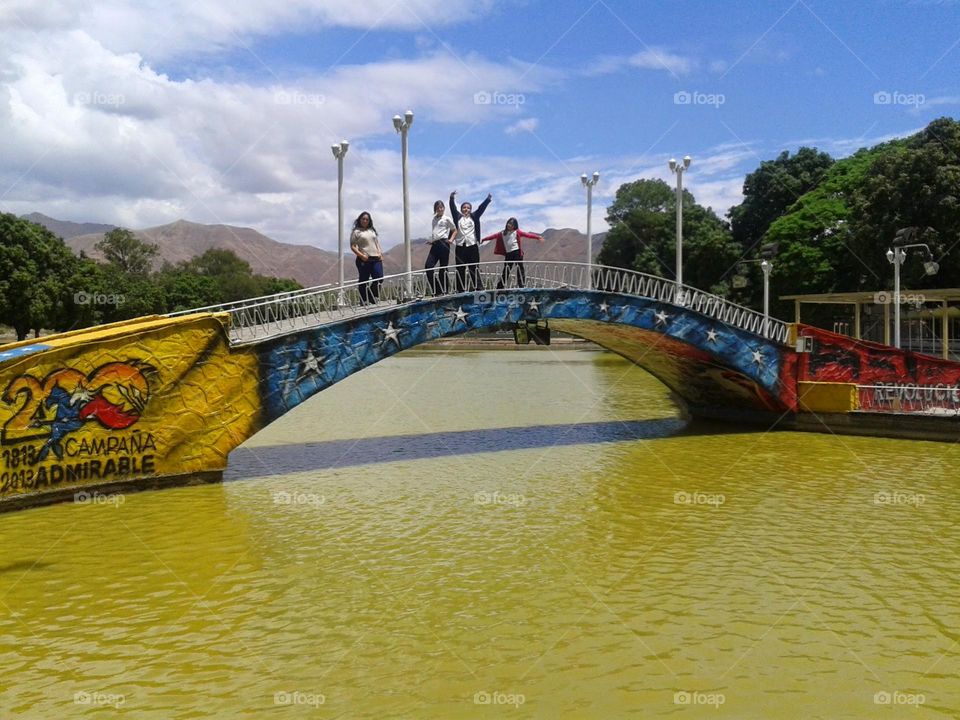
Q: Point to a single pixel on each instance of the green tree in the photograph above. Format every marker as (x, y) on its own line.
(770, 190)
(232, 275)
(233, 278)
(642, 236)
(185, 289)
(34, 266)
(914, 182)
(815, 238)
(127, 252)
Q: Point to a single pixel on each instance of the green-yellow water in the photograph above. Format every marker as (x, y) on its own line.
(499, 534)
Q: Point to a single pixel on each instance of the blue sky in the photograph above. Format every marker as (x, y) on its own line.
(223, 112)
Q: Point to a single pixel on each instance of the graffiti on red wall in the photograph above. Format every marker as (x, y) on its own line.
(888, 379)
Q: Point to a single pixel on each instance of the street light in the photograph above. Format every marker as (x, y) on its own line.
(767, 253)
(678, 169)
(588, 184)
(339, 150)
(896, 256)
(402, 126)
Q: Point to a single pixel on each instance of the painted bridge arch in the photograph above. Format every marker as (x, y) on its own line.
(164, 399)
(702, 360)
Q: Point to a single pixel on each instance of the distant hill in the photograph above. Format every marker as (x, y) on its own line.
(308, 265)
(67, 229)
(182, 240)
(561, 245)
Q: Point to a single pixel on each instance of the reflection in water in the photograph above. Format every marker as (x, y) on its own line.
(718, 575)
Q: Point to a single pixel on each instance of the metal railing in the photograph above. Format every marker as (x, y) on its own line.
(260, 318)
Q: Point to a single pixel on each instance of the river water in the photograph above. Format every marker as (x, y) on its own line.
(530, 533)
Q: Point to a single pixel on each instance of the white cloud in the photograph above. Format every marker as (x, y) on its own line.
(87, 133)
(165, 28)
(650, 59)
(941, 100)
(525, 125)
(659, 59)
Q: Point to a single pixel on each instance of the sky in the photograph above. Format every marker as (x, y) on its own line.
(216, 111)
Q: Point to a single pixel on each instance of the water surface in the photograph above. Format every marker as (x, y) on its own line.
(526, 533)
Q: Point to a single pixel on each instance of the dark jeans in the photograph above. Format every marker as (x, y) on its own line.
(468, 274)
(510, 259)
(372, 268)
(439, 253)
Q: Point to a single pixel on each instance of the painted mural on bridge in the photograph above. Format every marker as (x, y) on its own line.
(887, 379)
(704, 361)
(169, 397)
(152, 398)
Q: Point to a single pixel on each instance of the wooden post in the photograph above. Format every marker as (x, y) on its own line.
(945, 333)
(886, 323)
(796, 311)
(856, 320)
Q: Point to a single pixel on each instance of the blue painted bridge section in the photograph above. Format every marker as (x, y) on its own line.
(702, 359)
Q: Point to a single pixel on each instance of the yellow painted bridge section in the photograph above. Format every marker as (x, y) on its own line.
(156, 396)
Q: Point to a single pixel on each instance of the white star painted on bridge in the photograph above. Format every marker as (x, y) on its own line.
(391, 333)
(757, 357)
(661, 318)
(460, 316)
(604, 307)
(711, 336)
(312, 364)
(534, 305)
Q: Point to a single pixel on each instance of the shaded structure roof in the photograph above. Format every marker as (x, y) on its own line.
(865, 297)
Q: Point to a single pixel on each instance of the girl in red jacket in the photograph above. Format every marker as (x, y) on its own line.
(508, 245)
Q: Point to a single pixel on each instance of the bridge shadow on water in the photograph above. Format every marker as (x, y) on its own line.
(270, 460)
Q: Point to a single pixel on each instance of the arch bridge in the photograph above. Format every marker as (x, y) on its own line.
(164, 399)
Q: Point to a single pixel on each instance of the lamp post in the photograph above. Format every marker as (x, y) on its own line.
(678, 169)
(588, 184)
(402, 126)
(896, 256)
(339, 150)
(767, 253)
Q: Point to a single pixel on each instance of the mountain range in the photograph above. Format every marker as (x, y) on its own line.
(308, 265)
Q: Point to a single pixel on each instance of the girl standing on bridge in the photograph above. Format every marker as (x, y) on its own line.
(508, 245)
(468, 242)
(441, 236)
(366, 246)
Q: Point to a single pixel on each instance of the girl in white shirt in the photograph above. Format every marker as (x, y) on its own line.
(366, 246)
(441, 236)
